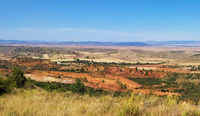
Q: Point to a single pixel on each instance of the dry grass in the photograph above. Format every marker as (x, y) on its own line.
(42, 103)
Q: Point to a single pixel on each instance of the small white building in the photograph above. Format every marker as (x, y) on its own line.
(58, 62)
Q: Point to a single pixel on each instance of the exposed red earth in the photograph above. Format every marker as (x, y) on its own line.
(98, 76)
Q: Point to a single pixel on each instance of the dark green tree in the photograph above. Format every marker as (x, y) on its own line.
(82, 70)
(3, 86)
(136, 69)
(17, 77)
(78, 87)
(146, 73)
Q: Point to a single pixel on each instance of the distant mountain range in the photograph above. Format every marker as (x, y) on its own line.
(96, 43)
(168, 43)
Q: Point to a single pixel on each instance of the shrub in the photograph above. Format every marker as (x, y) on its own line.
(123, 86)
(85, 79)
(82, 70)
(59, 76)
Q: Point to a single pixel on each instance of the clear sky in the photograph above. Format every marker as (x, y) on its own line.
(100, 20)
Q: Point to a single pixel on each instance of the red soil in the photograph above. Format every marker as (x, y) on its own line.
(129, 83)
(103, 77)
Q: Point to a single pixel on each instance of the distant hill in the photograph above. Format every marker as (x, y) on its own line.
(108, 43)
(174, 43)
(76, 43)
(96, 43)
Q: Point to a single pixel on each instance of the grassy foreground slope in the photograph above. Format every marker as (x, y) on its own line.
(42, 103)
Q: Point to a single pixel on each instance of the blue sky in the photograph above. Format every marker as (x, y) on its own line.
(100, 20)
